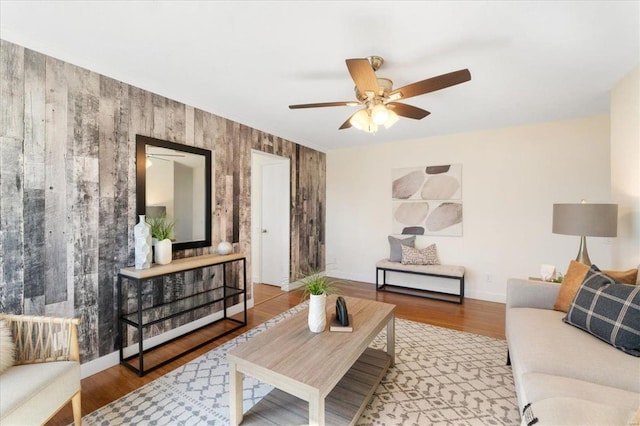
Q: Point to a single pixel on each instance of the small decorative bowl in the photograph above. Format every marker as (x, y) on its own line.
(224, 247)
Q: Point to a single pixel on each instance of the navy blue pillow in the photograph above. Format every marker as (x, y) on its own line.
(609, 310)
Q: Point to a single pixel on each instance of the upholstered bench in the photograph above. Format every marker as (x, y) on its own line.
(440, 271)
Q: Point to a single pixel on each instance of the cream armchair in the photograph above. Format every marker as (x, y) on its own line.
(46, 373)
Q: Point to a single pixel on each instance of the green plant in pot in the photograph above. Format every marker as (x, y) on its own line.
(317, 286)
(316, 283)
(161, 232)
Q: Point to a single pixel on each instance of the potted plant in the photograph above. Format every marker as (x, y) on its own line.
(317, 286)
(161, 230)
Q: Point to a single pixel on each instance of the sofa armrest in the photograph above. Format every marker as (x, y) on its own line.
(531, 294)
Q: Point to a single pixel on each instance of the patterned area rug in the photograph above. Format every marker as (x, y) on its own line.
(441, 377)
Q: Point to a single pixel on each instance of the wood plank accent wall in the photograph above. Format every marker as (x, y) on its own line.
(67, 190)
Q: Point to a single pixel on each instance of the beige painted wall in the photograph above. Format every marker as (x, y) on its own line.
(625, 167)
(511, 178)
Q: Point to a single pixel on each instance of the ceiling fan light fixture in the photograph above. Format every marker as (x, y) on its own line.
(378, 98)
(360, 120)
(380, 114)
(391, 120)
(371, 127)
(363, 120)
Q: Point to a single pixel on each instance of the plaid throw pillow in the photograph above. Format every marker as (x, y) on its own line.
(425, 256)
(608, 310)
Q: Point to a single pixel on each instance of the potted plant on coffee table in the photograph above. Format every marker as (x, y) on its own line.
(161, 230)
(317, 286)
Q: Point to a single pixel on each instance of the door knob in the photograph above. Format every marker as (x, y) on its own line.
(264, 231)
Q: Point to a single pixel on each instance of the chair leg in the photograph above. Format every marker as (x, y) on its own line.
(77, 410)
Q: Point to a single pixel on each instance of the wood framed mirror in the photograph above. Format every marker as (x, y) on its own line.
(174, 180)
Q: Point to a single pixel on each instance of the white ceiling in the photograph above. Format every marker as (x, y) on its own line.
(530, 61)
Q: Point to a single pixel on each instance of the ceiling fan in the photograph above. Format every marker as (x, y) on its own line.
(159, 156)
(380, 99)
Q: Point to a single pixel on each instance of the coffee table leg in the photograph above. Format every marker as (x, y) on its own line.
(235, 394)
(391, 339)
(316, 411)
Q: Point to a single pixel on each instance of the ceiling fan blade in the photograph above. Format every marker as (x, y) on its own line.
(324, 104)
(363, 75)
(346, 124)
(407, 110)
(431, 84)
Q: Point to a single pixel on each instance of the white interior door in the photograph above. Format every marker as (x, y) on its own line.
(274, 231)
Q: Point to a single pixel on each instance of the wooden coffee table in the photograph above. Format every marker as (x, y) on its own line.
(336, 373)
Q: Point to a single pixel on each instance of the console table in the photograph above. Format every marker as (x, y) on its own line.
(145, 317)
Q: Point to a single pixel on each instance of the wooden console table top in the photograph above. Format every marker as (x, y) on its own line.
(309, 365)
(179, 265)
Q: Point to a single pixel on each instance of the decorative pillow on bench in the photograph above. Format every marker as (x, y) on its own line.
(425, 256)
(609, 310)
(395, 252)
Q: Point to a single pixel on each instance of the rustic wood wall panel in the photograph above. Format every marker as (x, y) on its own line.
(11, 177)
(67, 206)
(34, 190)
(108, 161)
(54, 215)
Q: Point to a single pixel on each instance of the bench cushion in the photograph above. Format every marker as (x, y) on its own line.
(447, 270)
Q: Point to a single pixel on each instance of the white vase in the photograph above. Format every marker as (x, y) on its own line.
(142, 244)
(317, 312)
(163, 251)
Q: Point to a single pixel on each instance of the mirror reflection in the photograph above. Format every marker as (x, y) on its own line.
(177, 184)
(175, 189)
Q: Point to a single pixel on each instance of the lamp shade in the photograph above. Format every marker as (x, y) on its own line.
(586, 219)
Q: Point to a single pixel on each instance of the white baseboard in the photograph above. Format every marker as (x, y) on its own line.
(486, 296)
(107, 361)
(292, 286)
(344, 275)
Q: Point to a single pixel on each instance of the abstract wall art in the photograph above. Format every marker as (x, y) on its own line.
(427, 200)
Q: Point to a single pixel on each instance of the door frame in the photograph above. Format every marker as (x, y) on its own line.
(258, 158)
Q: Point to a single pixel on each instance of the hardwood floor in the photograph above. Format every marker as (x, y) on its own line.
(474, 316)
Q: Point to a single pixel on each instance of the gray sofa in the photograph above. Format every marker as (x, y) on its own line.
(566, 375)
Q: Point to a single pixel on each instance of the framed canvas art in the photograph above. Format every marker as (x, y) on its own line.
(427, 200)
